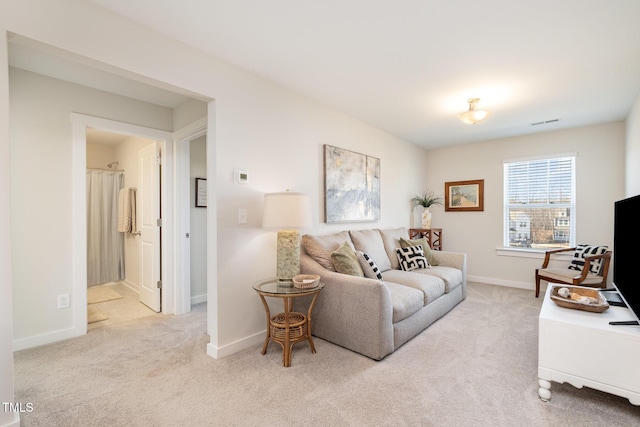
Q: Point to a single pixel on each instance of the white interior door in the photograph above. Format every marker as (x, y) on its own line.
(149, 225)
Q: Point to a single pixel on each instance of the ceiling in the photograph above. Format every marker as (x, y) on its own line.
(409, 66)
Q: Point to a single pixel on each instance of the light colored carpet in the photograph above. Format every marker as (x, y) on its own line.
(98, 294)
(95, 315)
(475, 367)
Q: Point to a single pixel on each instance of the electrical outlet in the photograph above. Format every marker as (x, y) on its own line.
(64, 301)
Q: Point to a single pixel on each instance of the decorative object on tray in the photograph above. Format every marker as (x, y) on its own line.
(578, 298)
(306, 281)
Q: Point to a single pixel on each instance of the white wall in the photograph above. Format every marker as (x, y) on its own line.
(41, 141)
(632, 180)
(198, 222)
(599, 182)
(100, 155)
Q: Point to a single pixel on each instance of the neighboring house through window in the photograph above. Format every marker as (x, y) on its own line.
(539, 203)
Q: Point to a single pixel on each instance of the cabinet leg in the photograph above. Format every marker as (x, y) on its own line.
(545, 390)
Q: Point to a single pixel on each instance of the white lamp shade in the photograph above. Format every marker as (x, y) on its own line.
(287, 211)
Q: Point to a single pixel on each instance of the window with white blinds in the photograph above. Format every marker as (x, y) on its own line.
(539, 203)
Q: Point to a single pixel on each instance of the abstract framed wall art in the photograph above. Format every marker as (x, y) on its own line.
(352, 186)
(464, 196)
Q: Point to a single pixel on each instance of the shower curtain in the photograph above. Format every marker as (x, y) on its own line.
(105, 245)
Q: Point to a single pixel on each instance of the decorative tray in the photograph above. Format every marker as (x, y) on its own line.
(579, 298)
(306, 281)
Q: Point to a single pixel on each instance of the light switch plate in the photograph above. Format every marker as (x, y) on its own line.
(242, 216)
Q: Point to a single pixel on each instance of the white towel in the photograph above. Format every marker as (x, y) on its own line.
(127, 210)
(123, 209)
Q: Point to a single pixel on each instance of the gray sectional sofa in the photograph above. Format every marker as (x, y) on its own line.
(371, 316)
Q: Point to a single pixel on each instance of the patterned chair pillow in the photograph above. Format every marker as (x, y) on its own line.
(577, 262)
(369, 266)
(412, 258)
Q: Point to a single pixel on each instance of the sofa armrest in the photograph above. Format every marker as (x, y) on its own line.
(353, 312)
(451, 259)
(456, 260)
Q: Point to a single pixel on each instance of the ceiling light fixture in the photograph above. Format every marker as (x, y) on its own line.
(474, 116)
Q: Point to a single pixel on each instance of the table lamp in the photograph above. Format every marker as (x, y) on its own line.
(287, 212)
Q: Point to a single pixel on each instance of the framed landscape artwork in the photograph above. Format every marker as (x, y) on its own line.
(352, 186)
(464, 196)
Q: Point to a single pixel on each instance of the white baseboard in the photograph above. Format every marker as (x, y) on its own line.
(133, 286)
(14, 423)
(499, 282)
(234, 347)
(48, 338)
(198, 299)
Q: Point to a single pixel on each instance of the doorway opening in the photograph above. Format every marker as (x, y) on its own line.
(141, 154)
(191, 218)
(118, 173)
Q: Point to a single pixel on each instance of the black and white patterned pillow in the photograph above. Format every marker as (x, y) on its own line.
(369, 266)
(412, 258)
(577, 263)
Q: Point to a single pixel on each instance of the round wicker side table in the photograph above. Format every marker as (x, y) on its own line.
(289, 327)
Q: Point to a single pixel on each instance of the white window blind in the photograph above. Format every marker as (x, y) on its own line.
(539, 202)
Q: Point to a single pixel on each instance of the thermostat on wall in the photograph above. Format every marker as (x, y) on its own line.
(240, 176)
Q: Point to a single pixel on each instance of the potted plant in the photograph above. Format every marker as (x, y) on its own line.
(426, 200)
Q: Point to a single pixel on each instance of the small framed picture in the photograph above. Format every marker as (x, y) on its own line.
(201, 192)
(464, 196)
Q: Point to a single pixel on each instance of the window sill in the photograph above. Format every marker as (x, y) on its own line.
(530, 253)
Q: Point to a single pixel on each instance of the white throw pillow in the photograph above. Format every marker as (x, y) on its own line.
(369, 266)
(577, 263)
(412, 258)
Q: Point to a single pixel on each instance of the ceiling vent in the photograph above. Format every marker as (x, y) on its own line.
(545, 122)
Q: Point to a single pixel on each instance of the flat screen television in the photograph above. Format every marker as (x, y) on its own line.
(626, 236)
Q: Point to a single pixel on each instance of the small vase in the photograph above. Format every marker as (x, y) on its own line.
(426, 218)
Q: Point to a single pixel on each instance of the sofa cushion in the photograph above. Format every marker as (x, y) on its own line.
(345, 261)
(369, 266)
(391, 239)
(452, 277)
(428, 253)
(320, 247)
(432, 287)
(370, 242)
(411, 258)
(405, 300)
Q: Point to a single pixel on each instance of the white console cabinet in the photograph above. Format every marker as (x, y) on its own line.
(582, 349)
